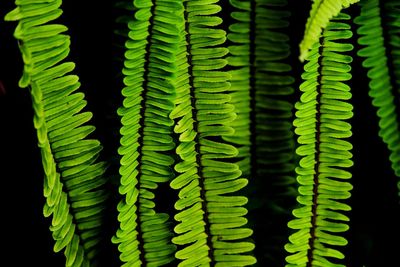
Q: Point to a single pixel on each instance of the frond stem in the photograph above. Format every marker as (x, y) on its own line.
(311, 241)
(207, 225)
(141, 128)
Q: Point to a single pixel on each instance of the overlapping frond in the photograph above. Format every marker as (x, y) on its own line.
(322, 11)
(144, 235)
(210, 215)
(73, 177)
(379, 28)
(261, 84)
(325, 155)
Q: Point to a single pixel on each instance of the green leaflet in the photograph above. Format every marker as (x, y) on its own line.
(325, 155)
(144, 236)
(379, 34)
(210, 227)
(321, 13)
(260, 91)
(73, 180)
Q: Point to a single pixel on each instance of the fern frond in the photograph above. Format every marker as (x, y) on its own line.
(261, 84)
(322, 11)
(149, 68)
(379, 27)
(321, 126)
(73, 180)
(211, 218)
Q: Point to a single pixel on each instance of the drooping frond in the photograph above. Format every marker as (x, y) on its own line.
(322, 11)
(210, 214)
(144, 235)
(261, 84)
(379, 32)
(73, 180)
(321, 126)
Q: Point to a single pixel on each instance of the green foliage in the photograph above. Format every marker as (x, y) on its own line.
(379, 35)
(207, 107)
(261, 86)
(210, 215)
(165, 88)
(149, 67)
(320, 125)
(73, 178)
(322, 12)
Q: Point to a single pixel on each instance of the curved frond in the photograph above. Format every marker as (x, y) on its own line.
(322, 11)
(261, 86)
(379, 28)
(144, 235)
(73, 180)
(210, 214)
(322, 175)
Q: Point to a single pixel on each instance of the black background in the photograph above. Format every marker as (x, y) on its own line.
(25, 238)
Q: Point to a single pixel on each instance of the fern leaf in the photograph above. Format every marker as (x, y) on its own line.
(261, 84)
(210, 229)
(144, 235)
(379, 27)
(322, 11)
(73, 180)
(321, 173)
